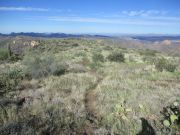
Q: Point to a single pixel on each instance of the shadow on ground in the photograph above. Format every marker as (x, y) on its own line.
(147, 129)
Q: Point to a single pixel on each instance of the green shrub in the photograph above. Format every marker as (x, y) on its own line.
(116, 57)
(40, 66)
(10, 80)
(75, 44)
(57, 68)
(80, 54)
(57, 122)
(4, 54)
(108, 48)
(160, 64)
(148, 52)
(95, 65)
(163, 64)
(149, 59)
(170, 67)
(97, 57)
(97, 60)
(15, 57)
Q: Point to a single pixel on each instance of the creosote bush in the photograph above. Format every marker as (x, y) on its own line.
(116, 57)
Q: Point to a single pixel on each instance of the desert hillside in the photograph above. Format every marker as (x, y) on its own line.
(88, 86)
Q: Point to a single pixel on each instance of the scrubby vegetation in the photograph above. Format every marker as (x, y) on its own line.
(148, 52)
(98, 57)
(10, 79)
(42, 65)
(88, 86)
(163, 64)
(171, 118)
(116, 57)
(4, 54)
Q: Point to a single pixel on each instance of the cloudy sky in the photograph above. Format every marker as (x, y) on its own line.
(91, 16)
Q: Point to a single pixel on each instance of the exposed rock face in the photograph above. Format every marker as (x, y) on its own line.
(166, 42)
(19, 44)
(34, 43)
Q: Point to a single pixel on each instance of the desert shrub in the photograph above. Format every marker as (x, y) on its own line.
(148, 52)
(58, 68)
(163, 64)
(75, 44)
(81, 54)
(95, 65)
(98, 50)
(160, 64)
(85, 61)
(97, 57)
(170, 67)
(15, 57)
(4, 54)
(56, 121)
(116, 57)
(149, 59)
(108, 48)
(40, 66)
(97, 60)
(10, 80)
(77, 68)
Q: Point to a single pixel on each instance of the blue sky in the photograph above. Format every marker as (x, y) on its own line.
(91, 16)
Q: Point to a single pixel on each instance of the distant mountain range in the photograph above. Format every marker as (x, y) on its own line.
(156, 38)
(151, 38)
(53, 35)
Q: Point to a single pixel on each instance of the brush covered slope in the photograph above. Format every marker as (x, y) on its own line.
(87, 86)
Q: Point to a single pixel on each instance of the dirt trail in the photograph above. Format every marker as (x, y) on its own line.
(92, 113)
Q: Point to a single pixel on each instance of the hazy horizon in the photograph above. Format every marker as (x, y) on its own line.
(103, 34)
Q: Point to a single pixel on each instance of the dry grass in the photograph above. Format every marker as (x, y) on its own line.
(130, 92)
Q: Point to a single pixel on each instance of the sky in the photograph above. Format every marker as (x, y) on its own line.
(91, 16)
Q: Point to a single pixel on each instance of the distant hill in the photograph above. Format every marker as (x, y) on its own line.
(53, 35)
(161, 43)
(156, 38)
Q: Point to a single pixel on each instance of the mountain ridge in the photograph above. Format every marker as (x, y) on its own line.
(151, 38)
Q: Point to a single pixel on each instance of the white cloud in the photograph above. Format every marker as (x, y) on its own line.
(22, 9)
(164, 18)
(152, 22)
(32, 9)
(144, 13)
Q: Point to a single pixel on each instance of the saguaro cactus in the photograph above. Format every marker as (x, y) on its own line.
(9, 50)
